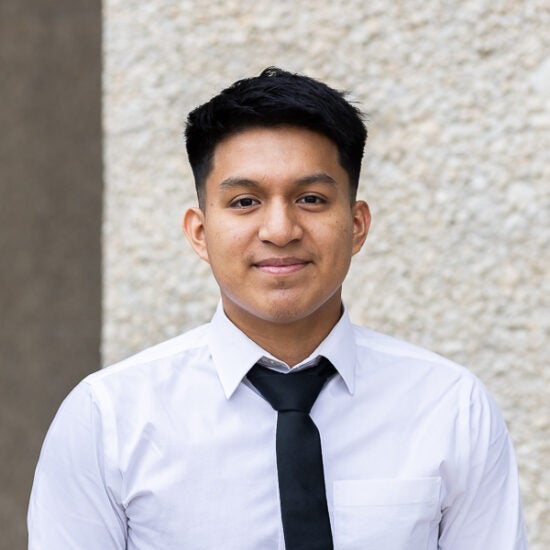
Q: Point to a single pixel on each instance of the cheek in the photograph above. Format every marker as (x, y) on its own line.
(226, 247)
(339, 238)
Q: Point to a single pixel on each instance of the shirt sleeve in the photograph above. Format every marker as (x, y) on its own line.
(484, 511)
(71, 505)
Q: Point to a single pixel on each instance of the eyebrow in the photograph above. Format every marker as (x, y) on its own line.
(318, 177)
(230, 183)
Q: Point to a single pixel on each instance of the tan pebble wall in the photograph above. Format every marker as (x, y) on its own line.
(456, 174)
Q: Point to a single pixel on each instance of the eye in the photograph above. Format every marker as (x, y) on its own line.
(244, 202)
(311, 199)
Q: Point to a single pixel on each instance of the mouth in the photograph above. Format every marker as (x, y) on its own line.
(281, 266)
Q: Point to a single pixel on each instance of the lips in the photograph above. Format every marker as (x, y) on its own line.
(281, 266)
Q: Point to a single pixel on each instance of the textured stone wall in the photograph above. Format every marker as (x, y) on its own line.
(455, 173)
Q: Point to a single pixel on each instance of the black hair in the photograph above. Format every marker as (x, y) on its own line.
(275, 98)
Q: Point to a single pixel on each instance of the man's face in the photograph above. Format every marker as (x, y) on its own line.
(277, 226)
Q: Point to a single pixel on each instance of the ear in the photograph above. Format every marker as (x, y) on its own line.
(361, 224)
(193, 227)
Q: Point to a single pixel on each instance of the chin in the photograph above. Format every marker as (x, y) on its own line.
(285, 312)
(281, 308)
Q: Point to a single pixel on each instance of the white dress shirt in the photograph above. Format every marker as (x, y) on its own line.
(171, 449)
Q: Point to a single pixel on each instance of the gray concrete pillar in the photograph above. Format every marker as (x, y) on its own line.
(50, 209)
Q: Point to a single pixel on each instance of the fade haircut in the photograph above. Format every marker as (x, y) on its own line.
(275, 98)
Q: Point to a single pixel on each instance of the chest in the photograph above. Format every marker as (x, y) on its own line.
(208, 478)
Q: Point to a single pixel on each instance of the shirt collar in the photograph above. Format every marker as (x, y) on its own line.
(234, 354)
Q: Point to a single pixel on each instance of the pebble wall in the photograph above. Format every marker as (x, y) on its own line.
(456, 174)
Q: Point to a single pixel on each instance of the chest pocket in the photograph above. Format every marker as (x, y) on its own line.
(393, 514)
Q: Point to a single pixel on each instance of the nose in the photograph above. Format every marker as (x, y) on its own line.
(279, 225)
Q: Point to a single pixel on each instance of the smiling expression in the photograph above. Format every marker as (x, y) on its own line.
(277, 226)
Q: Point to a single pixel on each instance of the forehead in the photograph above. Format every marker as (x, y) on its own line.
(282, 151)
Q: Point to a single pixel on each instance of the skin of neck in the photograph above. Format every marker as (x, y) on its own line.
(290, 342)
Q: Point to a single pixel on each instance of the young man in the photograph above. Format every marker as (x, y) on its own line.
(279, 424)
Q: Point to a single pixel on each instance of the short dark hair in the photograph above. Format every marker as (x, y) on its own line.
(275, 98)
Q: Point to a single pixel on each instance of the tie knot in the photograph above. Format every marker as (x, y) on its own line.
(293, 391)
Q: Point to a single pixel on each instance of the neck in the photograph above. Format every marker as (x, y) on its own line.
(290, 342)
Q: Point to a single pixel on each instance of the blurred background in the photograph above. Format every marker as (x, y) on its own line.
(94, 182)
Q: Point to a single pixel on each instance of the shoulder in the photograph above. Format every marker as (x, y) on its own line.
(378, 343)
(410, 370)
(404, 363)
(121, 400)
(157, 363)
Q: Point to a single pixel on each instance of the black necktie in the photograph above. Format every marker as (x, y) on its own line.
(306, 523)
